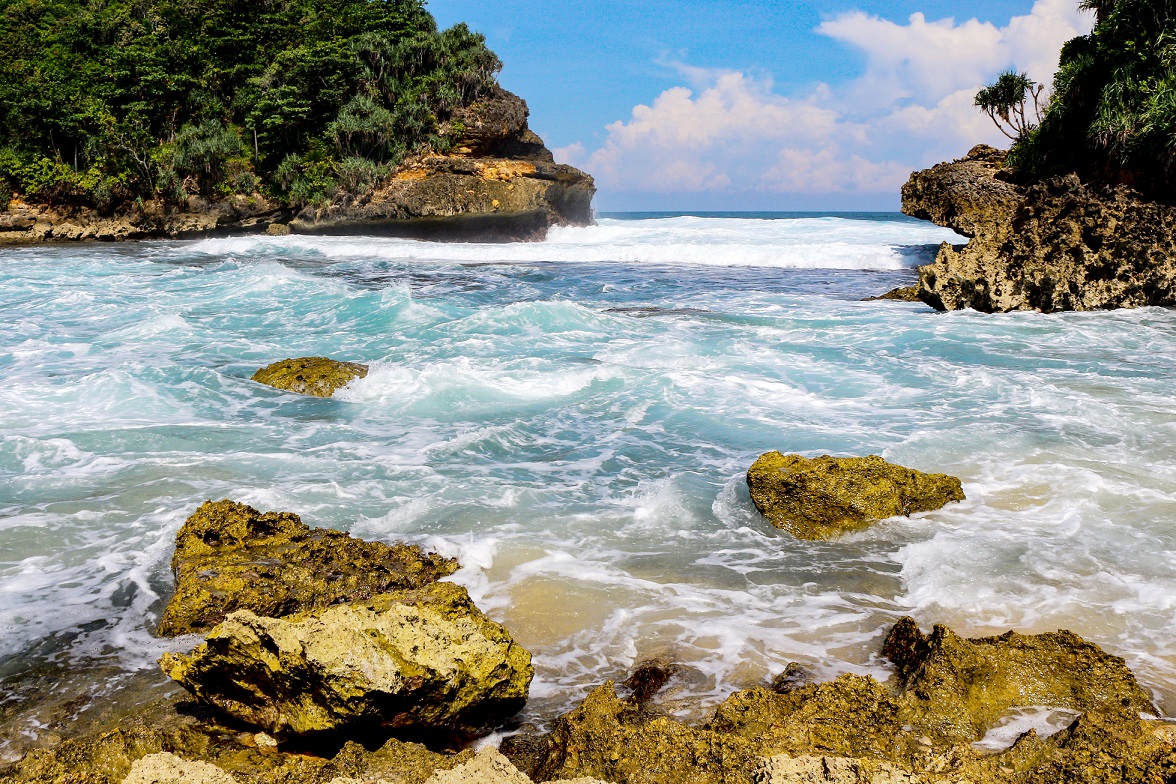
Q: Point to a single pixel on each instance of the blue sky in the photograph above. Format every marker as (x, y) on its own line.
(720, 104)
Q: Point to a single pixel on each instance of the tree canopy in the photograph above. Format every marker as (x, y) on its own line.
(105, 101)
(1112, 116)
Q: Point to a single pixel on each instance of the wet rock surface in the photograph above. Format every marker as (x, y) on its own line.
(900, 294)
(1057, 245)
(315, 376)
(855, 729)
(916, 729)
(230, 557)
(824, 497)
(421, 658)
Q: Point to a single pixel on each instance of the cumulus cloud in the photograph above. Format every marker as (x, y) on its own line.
(912, 105)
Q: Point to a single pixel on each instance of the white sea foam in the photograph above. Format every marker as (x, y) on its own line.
(801, 243)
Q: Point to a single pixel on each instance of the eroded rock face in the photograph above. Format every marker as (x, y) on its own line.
(170, 742)
(955, 688)
(500, 183)
(827, 496)
(1058, 245)
(855, 730)
(900, 294)
(422, 658)
(230, 557)
(167, 768)
(316, 376)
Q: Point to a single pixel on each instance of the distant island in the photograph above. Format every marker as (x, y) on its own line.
(1079, 214)
(162, 118)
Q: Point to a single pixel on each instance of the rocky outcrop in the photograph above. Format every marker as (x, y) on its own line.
(855, 730)
(423, 658)
(827, 496)
(167, 768)
(1062, 244)
(955, 689)
(24, 223)
(316, 376)
(173, 738)
(900, 294)
(498, 183)
(230, 557)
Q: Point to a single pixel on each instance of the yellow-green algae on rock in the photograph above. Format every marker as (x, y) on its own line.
(230, 556)
(317, 376)
(854, 729)
(421, 658)
(824, 497)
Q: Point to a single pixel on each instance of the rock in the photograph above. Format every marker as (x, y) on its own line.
(901, 294)
(418, 658)
(827, 496)
(610, 739)
(1056, 245)
(489, 767)
(230, 557)
(794, 677)
(783, 769)
(648, 678)
(317, 376)
(167, 768)
(277, 230)
(955, 689)
(183, 740)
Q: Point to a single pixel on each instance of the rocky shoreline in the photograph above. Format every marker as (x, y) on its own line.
(328, 659)
(498, 184)
(1057, 245)
(391, 687)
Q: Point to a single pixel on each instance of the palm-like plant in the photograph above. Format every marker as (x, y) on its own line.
(1006, 101)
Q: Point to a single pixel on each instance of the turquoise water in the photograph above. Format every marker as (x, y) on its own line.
(573, 420)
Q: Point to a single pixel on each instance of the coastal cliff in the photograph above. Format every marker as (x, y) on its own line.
(193, 118)
(498, 183)
(1054, 245)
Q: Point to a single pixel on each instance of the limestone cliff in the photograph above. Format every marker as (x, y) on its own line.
(499, 183)
(1056, 245)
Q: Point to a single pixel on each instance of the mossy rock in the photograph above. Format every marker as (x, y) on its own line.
(900, 294)
(193, 741)
(824, 497)
(317, 376)
(413, 659)
(916, 729)
(230, 556)
(956, 688)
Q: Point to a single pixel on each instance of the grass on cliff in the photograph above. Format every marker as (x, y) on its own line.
(103, 102)
(1113, 112)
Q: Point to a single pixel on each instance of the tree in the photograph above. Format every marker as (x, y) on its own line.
(1006, 101)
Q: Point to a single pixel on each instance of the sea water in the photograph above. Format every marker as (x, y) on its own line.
(573, 420)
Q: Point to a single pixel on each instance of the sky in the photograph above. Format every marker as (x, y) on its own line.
(759, 105)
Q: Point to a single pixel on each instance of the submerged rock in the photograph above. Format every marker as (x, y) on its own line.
(230, 557)
(315, 376)
(1060, 244)
(827, 496)
(900, 294)
(421, 658)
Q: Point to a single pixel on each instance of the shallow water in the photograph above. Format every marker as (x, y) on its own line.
(573, 419)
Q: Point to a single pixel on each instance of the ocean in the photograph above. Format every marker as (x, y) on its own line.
(573, 420)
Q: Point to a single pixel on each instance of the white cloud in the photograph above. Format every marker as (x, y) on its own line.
(911, 107)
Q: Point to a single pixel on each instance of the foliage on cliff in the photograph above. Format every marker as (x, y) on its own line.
(106, 101)
(1113, 113)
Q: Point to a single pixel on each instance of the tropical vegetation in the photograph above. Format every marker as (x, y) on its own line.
(105, 102)
(1112, 115)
